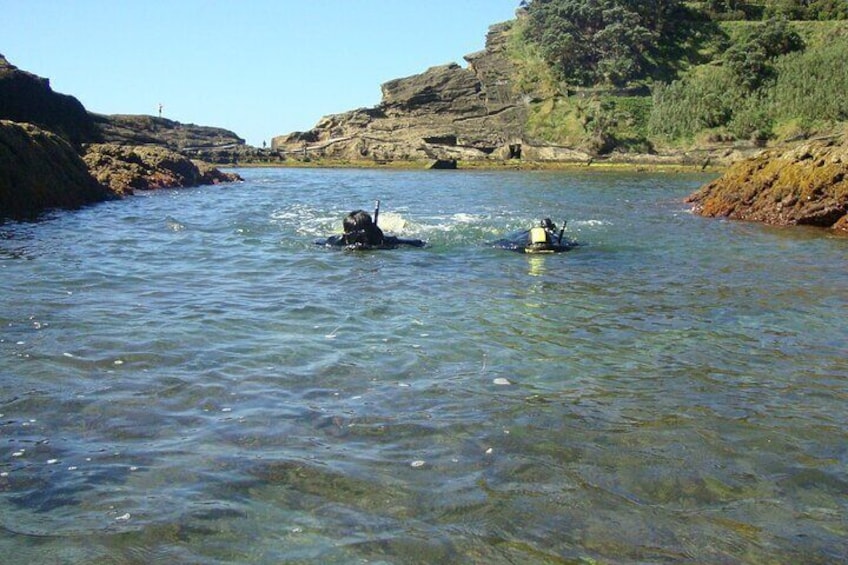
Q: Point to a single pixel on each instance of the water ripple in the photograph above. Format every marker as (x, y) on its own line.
(186, 377)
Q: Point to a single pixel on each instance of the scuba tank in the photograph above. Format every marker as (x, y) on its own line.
(539, 235)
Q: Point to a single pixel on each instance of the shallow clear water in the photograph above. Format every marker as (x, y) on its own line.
(186, 377)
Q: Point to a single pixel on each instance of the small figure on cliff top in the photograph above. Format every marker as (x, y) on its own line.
(543, 238)
(361, 232)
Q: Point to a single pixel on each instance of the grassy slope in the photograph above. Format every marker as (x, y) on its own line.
(581, 119)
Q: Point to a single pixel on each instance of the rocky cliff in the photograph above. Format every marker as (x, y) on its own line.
(210, 144)
(43, 134)
(447, 112)
(480, 113)
(25, 97)
(804, 185)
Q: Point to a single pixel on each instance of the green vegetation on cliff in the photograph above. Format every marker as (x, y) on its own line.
(613, 42)
(633, 76)
(751, 93)
(789, 9)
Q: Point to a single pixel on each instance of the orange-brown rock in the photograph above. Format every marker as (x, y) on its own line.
(127, 168)
(804, 185)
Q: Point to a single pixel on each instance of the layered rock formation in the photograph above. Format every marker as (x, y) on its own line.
(210, 144)
(445, 113)
(41, 170)
(804, 185)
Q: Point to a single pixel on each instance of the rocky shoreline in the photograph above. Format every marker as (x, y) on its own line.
(124, 169)
(803, 185)
(54, 154)
(40, 170)
(475, 116)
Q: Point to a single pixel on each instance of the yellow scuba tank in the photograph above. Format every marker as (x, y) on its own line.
(538, 235)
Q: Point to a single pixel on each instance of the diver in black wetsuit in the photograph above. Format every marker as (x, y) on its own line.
(361, 232)
(544, 238)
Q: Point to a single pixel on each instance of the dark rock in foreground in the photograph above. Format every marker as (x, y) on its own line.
(127, 168)
(805, 185)
(40, 170)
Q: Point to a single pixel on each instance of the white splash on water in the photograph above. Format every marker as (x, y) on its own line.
(590, 223)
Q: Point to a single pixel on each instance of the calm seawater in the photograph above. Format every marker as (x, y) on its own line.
(185, 377)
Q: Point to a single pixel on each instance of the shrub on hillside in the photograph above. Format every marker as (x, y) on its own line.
(811, 85)
(613, 42)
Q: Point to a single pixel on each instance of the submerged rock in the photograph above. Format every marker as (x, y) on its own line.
(804, 185)
(127, 168)
(40, 170)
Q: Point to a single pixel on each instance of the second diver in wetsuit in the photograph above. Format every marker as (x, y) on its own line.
(544, 238)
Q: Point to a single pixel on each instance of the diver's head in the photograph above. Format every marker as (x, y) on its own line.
(547, 224)
(357, 220)
(359, 229)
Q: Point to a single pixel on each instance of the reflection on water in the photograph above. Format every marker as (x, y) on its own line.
(186, 377)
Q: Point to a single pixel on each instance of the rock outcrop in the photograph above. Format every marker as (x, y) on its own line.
(40, 170)
(804, 185)
(25, 97)
(210, 144)
(446, 113)
(42, 136)
(124, 169)
(493, 111)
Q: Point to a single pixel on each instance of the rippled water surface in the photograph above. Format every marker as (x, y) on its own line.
(186, 377)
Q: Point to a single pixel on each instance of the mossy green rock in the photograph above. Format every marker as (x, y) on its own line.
(40, 170)
(804, 185)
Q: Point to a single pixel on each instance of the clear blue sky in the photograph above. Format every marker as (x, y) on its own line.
(257, 67)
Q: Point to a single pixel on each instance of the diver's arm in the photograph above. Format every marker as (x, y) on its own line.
(391, 240)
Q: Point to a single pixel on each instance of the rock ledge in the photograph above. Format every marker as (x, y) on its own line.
(804, 185)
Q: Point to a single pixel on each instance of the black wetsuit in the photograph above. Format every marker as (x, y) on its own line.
(521, 242)
(385, 242)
